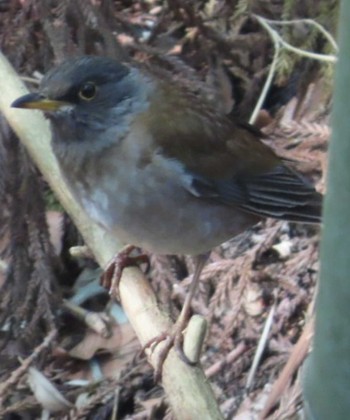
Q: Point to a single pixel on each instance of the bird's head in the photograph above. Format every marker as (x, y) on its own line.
(87, 95)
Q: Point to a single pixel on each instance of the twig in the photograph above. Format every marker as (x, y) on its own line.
(269, 78)
(297, 356)
(265, 23)
(280, 43)
(261, 347)
(22, 369)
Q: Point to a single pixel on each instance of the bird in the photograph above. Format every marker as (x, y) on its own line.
(160, 166)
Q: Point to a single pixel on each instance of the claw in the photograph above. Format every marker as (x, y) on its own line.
(173, 340)
(111, 277)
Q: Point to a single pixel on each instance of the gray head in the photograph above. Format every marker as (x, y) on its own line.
(86, 96)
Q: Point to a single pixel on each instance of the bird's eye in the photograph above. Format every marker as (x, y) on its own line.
(88, 91)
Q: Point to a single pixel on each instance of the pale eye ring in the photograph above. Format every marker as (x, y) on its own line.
(87, 91)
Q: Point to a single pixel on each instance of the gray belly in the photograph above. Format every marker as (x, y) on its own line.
(166, 219)
(150, 206)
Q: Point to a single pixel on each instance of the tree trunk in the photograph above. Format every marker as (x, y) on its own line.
(327, 375)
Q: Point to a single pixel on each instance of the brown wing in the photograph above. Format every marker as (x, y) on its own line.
(227, 161)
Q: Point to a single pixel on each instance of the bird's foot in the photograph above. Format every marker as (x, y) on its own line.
(112, 274)
(174, 339)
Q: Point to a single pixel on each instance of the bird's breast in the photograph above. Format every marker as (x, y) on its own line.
(148, 205)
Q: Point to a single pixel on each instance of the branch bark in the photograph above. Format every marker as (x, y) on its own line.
(187, 388)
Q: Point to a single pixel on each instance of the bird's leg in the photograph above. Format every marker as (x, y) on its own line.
(183, 318)
(175, 338)
(112, 274)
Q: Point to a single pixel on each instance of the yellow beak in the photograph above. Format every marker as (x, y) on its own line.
(36, 101)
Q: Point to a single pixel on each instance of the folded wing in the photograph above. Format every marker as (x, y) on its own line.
(280, 193)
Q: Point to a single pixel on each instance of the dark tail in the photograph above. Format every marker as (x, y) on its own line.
(284, 194)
